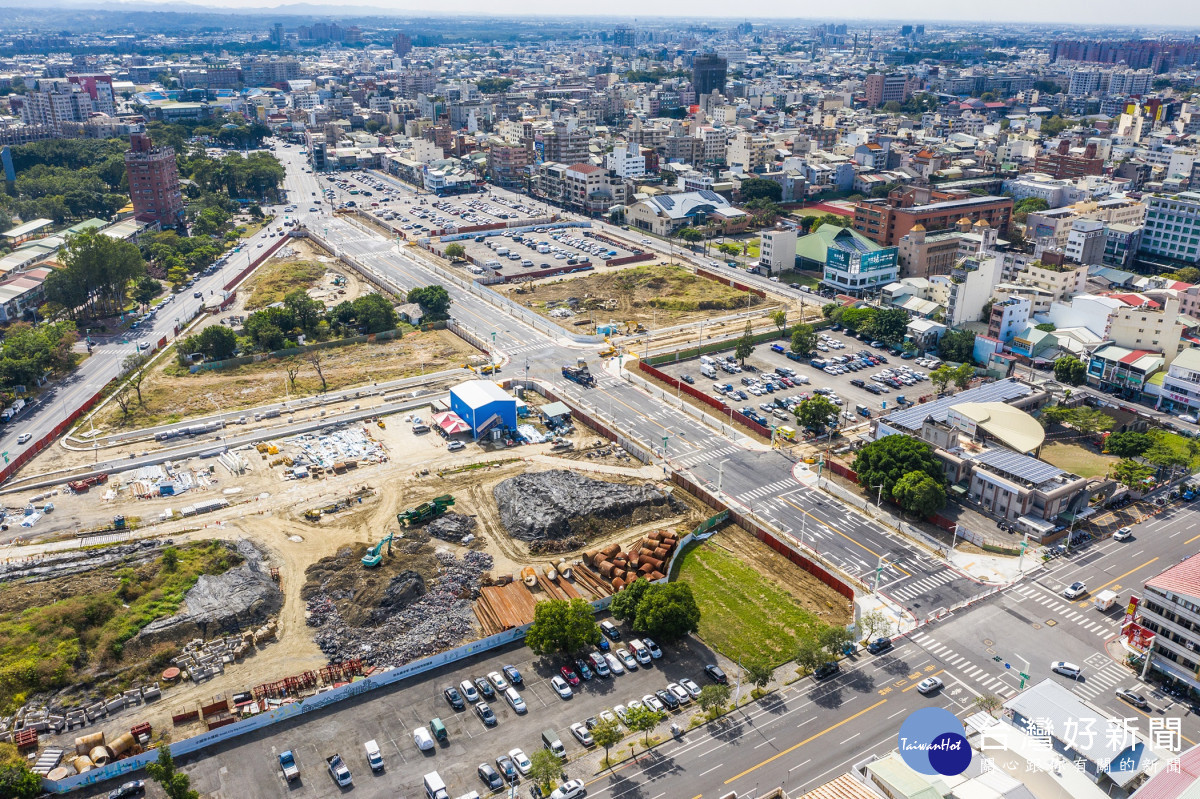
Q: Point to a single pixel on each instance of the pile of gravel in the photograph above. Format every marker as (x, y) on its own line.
(411, 626)
(451, 527)
(561, 504)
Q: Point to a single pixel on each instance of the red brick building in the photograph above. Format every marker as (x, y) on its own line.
(153, 182)
(1062, 164)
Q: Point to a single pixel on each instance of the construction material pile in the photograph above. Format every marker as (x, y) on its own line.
(244, 595)
(649, 558)
(410, 627)
(451, 527)
(566, 507)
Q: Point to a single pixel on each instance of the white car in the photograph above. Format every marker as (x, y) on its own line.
(606, 715)
(520, 761)
(651, 701)
(1075, 590)
(635, 703)
(468, 691)
(628, 659)
(497, 679)
(690, 687)
(620, 711)
(571, 789)
(1066, 669)
(561, 688)
(929, 685)
(580, 731)
(680, 692)
(1123, 534)
(614, 663)
(422, 739)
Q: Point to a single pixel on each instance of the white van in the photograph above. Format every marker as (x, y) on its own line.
(543, 248)
(501, 251)
(707, 361)
(492, 264)
(514, 700)
(708, 371)
(435, 786)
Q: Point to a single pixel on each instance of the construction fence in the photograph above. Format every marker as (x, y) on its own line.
(712, 402)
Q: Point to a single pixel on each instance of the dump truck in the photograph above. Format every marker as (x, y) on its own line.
(1104, 600)
(339, 771)
(287, 762)
(579, 373)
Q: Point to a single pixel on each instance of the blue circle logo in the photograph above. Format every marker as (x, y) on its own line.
(933, 741)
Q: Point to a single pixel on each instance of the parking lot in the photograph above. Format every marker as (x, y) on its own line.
(512, 253)
(844, 382)
(389, 716)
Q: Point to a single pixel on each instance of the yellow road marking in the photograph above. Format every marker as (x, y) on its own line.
(843, 535)
(791, 749)
(914, 685)
(1126, 574)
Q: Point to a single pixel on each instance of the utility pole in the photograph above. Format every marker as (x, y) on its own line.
(720, 475)
(954, 539)
(878, 572)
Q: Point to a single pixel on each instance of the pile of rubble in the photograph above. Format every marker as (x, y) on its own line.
(246, 594)
(437, 619)
(451, 526)
(49, 567)
(562, 504)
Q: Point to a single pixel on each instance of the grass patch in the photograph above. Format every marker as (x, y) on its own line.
(46, 645)
(278, 279)
(810, 279)
(1178, 445)
(1077, 459)
(741, 614)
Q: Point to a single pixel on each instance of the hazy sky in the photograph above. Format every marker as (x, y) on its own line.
(1182, 13)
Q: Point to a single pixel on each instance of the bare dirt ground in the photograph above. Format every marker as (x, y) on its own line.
(653, 295)
(169, 395)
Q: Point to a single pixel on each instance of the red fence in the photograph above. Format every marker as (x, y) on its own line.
(255, 263)
(730, 282)
(841, 470)
(631, 259)
(764, 535)
(712, 402)
(37, 446)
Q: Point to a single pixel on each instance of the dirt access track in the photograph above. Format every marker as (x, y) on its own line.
(652, 295)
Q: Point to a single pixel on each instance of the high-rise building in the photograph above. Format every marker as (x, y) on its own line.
(58, 103)
(402, 44)
(1172, 228)
(882, 88)
(708, 73)
(153, 182)
(625, 36)
(277, 35)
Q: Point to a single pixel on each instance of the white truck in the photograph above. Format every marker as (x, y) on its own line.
(287, 762)
(435, 787)
(339, 771)
(374, 756)
(1104, 600)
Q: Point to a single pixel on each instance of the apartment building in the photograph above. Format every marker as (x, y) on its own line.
(154, 182)
(1052, 227)
(591, 189)
(1170, 610)
(750, 152)
(626, 162)
(1172, 229)
(972, 282)
(1180, 391)
(880, 88)
(1121, 243)
(1051, 273)
(508, 165)
(1152, 328)
(1009, 317)
(1067, 162)
(777, 251)
(1085, 241)
(886, 221)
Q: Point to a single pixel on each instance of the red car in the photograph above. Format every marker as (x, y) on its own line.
(569, 675)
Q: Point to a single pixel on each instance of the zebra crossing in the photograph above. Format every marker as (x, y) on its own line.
(705, 455)
(1099, 627)
(984, 678)
(768, 490)
(531, 347)
(1102, 680)
(915, 588)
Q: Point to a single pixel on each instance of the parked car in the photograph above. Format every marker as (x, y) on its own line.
(826, 670)
(627, 660)
(569, 675)
(1135, 699)
(690, 687)
(485, 713)
(454, 698)
(513, 675)
(715, 673)
(520, 761)
(491, 778)
(497, 680)
(561, 687)
(879, 645)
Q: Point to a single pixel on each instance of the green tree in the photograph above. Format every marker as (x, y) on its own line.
(170, 560)
(95, 276)
(146, 290)
(1164, 456)
(941, 377)
(1046, 327)
(374, 313)
(625, 602)
(957, 346)
(1128, 445)
(667, 612)
(919, 494)
(1188, 274)
(1089, 420)
(132, 366)
(810, 653)
(874, 624)
(607, 733)
(1070, 370)
(544, 768)
(1053, 126)
(779, 317)
(830, 308)
(175, 785)
(455, 251)
(562, 627)
(989, 703)
(16, 780)
(713, 698)
(745, 344)
(855, 319)
(217, 342)
(804, 338)
(761, 188)
(1132, 473)
(816, 413)
(962, 375)
(690, 235)
(643, 719)
(885, 461)
(434, 301)
(837, 220)
(1051, 415)
(306, 311)
(834, 639)
(759, 671)
(888, 324)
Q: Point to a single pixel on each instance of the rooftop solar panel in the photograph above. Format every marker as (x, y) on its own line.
(1020, 466)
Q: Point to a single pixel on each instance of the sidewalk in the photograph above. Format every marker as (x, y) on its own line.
(995, 569)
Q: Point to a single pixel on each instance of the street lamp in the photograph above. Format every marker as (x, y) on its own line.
(720, 475)
(953, 539)
(878, 496)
